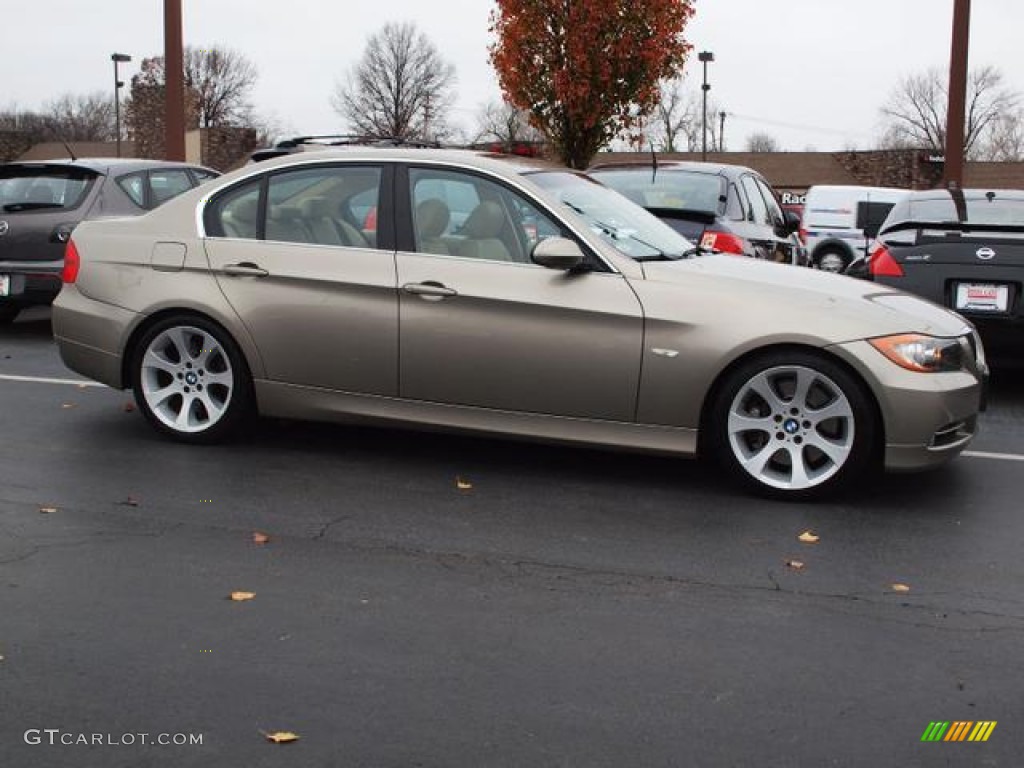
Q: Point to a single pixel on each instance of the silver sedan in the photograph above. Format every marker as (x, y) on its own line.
(453, 290)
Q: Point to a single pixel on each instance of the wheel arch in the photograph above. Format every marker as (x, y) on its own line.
(707, 407)
(141, 328)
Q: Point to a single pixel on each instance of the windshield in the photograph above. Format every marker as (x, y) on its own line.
(27, 188)
(623, 224)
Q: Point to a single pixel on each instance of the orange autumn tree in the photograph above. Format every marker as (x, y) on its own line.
(587, 71)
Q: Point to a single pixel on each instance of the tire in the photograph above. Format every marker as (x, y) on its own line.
(190, 380)
(793, 425)
(8, 314)
(831, 260)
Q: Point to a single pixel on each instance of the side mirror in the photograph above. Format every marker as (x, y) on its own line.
(790, 222)
(557, 253)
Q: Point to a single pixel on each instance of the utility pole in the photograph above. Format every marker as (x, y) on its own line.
(721, 131)
(704, 57)
(174, 88)
(953, 175)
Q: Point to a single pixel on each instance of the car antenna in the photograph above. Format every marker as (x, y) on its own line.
(71, 154)
(654, 163)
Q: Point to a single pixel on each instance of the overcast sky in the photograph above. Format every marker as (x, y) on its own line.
(812, 73)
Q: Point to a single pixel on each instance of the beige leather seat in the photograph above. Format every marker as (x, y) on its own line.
(322, 228)
(432, 217)
(482, 227)
(240, 218)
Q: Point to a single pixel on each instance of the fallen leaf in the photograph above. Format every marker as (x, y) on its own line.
(68, 405)
(281, 737)
(900, 588)
(463, 485)
(796, 565)
(131, 501)
(239, 597)
(259, 538)
(808, 537)
(128, 407)
(47, 510)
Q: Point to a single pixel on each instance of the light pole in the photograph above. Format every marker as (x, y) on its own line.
(953, 170)
(118, 58)
(704, 57)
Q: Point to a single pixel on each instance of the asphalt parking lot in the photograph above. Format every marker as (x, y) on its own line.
(429, 600)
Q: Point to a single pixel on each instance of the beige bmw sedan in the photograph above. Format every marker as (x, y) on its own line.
(458, 291)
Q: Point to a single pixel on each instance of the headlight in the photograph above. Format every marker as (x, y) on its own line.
(924, 354)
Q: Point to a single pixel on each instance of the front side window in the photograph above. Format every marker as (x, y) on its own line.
(463, 214)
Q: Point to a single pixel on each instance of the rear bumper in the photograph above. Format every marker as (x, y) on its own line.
(32, 282)
(90, 336)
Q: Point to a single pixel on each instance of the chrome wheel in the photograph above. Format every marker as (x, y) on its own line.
(186, 379)
(831, 262)
(791, 427)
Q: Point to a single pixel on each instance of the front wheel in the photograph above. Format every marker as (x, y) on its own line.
(793, 425)
(832, 261)
(190, 380)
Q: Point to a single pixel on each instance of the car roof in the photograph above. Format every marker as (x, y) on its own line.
(464, 157)
(969, 194)
(106, 165)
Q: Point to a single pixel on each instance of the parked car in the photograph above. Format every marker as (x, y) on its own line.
(963, 249)
(726, 208)
(557, 310)
(42, 202)
(839, 222)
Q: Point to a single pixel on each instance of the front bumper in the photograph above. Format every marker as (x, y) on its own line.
(927, 418)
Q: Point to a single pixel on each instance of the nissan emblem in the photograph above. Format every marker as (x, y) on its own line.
(985, 254)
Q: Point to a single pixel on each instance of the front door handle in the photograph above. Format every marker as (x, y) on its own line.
(430, 290)
(245, 269)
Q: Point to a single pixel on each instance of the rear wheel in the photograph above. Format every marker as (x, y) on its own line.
(793, 425)
(190, 380)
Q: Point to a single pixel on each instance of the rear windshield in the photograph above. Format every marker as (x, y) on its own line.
(675, 190)
(979, 210)
(29, 188)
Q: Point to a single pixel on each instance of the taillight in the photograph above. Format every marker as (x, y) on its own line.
(882, 264)
(723, 242)
(72, 263)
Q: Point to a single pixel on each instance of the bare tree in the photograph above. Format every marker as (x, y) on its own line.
(677, 123)
(70, 117)
(218, 81)
(401, 88)
(1005, 138)
(503, 123)
(762, 142)
(915, 114)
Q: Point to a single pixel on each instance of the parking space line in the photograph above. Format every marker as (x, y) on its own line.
(996, 456)
(44, 380)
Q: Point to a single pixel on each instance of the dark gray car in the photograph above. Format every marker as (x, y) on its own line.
(42, 202)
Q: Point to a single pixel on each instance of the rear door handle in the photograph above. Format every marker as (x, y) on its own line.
(430, 290)
(245, 269)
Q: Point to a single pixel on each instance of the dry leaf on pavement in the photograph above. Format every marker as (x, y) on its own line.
(808, 537)
(281, 737)
(68, 405)
(796, 565)
(128, 407)
(259, 538)
(47, 510)
(463, 485)
(900, 588)
(239, 597)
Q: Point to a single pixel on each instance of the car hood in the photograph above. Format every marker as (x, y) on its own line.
(832, 307)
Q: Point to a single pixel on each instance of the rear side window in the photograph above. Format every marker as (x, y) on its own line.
(134, 185)
(167, 184)
(30, 188)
